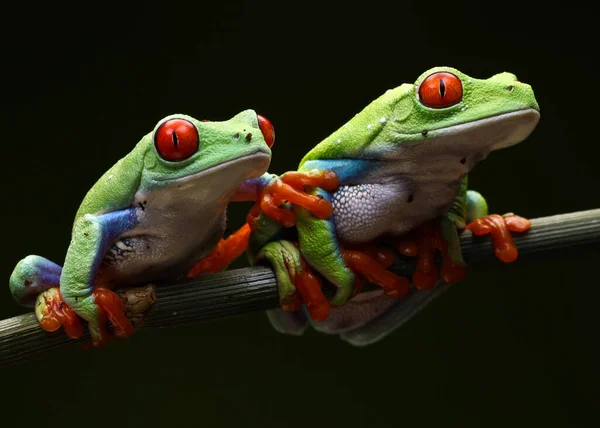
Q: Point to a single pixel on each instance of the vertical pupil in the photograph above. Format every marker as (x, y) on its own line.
(442, 88)
(174, 138)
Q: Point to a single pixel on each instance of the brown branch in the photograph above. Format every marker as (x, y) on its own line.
(241, 291)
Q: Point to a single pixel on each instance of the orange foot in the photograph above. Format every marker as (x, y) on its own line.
(224, 253)
(500, 227)
(52, 313)
(371, 265)
(423, 244)
(308, 292)
(290, 187)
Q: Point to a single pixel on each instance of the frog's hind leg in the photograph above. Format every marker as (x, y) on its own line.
(397, 313)
(34, 282)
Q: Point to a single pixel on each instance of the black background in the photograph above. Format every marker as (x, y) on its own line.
(513, 345)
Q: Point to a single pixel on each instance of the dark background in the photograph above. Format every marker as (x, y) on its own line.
(513, 345)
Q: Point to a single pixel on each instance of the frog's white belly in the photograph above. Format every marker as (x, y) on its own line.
(403, 193)
(365, 212)
(175, 230)
(177, 225)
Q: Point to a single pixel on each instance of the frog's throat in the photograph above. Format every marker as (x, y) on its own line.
(494, 132)
(248, 166)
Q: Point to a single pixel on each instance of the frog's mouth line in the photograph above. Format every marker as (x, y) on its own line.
(226, 165)
(500, 131)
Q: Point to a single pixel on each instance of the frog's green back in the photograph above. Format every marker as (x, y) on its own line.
(362, 129)
(117, 186)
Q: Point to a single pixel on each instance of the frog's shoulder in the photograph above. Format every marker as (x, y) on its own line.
(116, 188)
(360, 131)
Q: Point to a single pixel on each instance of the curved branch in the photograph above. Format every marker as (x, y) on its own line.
(241, 291)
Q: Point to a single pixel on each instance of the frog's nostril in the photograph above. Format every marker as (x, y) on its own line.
(510, 88)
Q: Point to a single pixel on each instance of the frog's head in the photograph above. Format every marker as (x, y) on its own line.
(444, 112)
(445, 102)
(184, 149)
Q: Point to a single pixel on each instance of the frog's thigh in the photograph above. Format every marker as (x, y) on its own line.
(396, 315)
(32, 276)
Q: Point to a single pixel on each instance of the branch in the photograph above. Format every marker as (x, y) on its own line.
(241, 291)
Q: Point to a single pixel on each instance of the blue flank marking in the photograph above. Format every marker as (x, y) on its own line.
(112, 225)
(348, 170)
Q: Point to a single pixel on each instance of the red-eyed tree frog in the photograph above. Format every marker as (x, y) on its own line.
(151, 217)
(395, 174)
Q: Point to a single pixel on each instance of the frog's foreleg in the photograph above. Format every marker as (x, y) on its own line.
(91, 238)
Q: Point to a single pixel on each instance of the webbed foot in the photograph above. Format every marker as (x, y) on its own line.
(226, 251)
(290, 188)
(423, 244)
(500, 227)
(53, 312)
(371, 265)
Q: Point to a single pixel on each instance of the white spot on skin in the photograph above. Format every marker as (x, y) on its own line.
(469, 81)
(382, 120)
(369, 126)
(346, 124)
(110, 176)
(338, 141)
(389, 90)
(395, 119)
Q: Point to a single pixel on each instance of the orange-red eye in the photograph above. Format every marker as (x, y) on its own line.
(176, 140)
(267, 129)
(440, 90)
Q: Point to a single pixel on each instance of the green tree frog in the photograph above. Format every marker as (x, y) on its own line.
(397, 176)
(151, 217)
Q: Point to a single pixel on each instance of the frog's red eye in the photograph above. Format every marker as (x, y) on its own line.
(267, 129)
(176, 140)
(440, 90)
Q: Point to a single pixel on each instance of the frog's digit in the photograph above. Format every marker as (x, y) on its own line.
(290, 188)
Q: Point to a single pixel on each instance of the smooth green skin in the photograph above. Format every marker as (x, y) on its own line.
(369, 137)
(142, 171)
